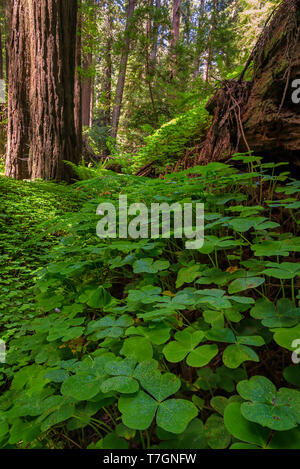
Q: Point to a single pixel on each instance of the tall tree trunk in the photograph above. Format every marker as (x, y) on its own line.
(78, 86)
(41, 128)
(149, 65)
(122, 72)
(199, 48)
(108, 65)
(155, 35)
(88, 81)
(175, 35)
(1, 51)
(87, 90)
(18, 132)
(210, 38)
(8, 6)
(187, 21)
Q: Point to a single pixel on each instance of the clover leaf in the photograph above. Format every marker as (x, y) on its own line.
(217, 435)
(241, 284)
(138, 348)
(285, 314)
(277, 410)
(149, 266)
(184, 345)
(172, 415)
(108, 326)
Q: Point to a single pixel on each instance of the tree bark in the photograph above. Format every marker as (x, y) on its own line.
(210, 45)
(122, 72)
(1, 52)
(155, 35)
(199, 48)
(107, 86)
(88, 81)
(175, 34)
(18, 133)
(87, 90)
(78, 86)
(41, 128)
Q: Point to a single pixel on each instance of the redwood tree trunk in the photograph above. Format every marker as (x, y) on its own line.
(87, 90)
(78, 87)
(88, 81)
(18, 133)
(122, 73)
(107, 88)
(210, 38)
(175, 34)
(41, 128)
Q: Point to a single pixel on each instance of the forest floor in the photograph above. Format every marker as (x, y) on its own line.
(24, 241)
(142, 343)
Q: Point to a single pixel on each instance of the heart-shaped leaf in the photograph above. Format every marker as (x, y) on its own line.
(202, 355)
(216, 433)
(159, 385)
(278, 410)
(138, 411)
(174, 415)
(122, 384)
(236, 354)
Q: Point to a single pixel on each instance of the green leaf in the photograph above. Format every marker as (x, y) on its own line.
(276, 410)
(192, 438)
(234, 355)
(110, 441)
(82, 386)
(174, 415)
(120, 367)
(202, 355)
(159, 385)
(241, 284)
(99, 298)
(121, 384)
(138, 411)
(216, 433)
(188, 275)
(148, 266)
(283, 315)
(286, 337)
(285, 270)
(138, 348)
(185, 342)
(242, 429)
(292, 375)
(157, 334)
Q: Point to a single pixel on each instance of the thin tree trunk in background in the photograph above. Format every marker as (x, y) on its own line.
(210, 37)
(88, 83)
(78, 87)
(155, 34)
(187, 22)
(122, 72)
(87, 90)
(175, 34)
(108, 66)
(149, 66)
(199, 41)
(1, 52)
(8, 6)
(18, 133)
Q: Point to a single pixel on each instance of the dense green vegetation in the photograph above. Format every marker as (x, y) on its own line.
(137, 342)
(142, 343)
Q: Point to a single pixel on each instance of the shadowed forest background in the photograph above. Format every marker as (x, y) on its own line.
(140, 343)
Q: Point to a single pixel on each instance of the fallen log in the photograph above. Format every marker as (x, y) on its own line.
(261, 115)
